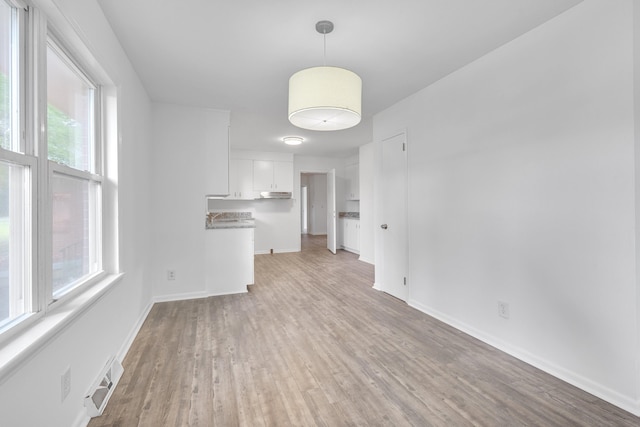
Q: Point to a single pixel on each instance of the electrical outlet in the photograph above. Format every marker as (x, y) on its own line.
(171, 275)
(503, 309)
(65, 384)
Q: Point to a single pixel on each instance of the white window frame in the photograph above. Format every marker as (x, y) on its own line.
(93, 177)
(24, 335)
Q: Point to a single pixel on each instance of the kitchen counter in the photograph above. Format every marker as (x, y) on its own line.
(218, 220)
(350, 215)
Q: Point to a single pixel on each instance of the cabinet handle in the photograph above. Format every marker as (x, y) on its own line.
(384, 226)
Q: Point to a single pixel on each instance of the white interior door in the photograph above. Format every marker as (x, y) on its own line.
(331, 211)
(394, 216)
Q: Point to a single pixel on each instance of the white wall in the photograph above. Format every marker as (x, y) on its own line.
(180, 135)
(521, 189)
(31, 395)
(636, 86)
(366, 161)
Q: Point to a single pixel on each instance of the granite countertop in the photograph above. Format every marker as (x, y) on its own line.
(219, 220)
(349, 215)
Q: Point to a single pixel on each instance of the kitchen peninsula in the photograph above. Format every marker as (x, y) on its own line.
(229, 252)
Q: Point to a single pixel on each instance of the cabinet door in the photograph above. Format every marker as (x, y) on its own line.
(233, 179)
(355, 183)
(262, 175)
(283, 176)
(244, 179)
(356, 236)
(352, 190)
(351, 235)
(347, 233)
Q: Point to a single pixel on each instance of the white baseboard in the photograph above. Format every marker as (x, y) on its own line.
(83, 419)
(596, 389)
(179, 297)
(368, 261)
(277, 251)
(126, 345)
(193, 295)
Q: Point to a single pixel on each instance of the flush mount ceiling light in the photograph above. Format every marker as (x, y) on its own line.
(292, 140)
(325, 98)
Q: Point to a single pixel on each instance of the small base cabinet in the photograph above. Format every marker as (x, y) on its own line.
(350, 230)
(229, 265)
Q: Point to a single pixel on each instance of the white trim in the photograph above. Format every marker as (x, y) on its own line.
(82, 420)
(596, 389)
(29, 341)
(126, 345)
(193, 295)
(18, 3)
(277, 251)
(368, 261)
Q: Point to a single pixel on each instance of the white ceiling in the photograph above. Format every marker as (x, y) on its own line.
(238, 55)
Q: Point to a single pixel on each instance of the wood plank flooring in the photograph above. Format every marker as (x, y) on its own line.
(312, 344)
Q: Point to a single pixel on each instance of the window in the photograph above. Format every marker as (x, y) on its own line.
(15, 177)
(9, 47)
(52, 181)
(72, 148)
(14, 230)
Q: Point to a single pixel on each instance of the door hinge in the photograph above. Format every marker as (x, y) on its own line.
(405, 281)
(404, 146)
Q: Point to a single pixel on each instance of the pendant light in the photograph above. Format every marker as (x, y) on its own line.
(325, 98)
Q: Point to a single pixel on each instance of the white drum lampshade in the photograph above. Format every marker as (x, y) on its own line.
(325, 98)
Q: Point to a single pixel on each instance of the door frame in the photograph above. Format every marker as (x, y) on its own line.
(379, 214)
(324, 172)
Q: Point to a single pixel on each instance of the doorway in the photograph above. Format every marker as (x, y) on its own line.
(304, 212)
(314, 208)
(318, 206)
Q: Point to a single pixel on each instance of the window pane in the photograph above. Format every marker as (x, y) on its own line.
(70, 115)
(14, 287)
(74, 231)
(8, 78)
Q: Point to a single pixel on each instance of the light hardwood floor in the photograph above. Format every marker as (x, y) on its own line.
(313, 344)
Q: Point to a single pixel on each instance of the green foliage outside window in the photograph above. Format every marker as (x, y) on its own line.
(61, 136)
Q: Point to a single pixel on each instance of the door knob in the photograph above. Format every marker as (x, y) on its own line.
(383, 226)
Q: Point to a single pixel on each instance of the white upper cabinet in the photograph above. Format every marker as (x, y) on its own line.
(352, 190)
(283, 176)
(262, 175)
(271, 175)
(241, 179)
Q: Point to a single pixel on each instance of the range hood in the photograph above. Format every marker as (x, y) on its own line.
(275, 195)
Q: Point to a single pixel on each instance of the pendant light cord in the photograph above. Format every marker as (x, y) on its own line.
(324, 35)
(324, 28)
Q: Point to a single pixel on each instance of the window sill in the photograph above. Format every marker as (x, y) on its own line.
(20, 348)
